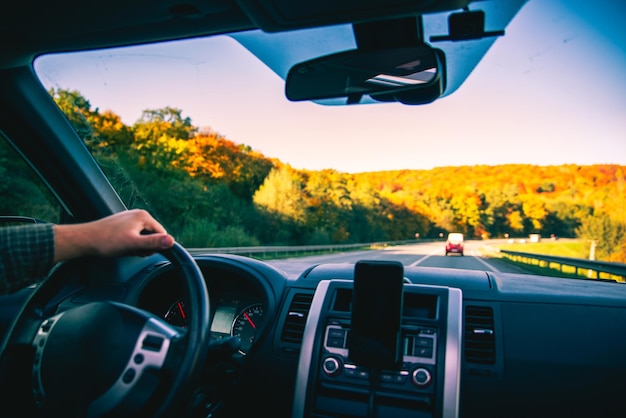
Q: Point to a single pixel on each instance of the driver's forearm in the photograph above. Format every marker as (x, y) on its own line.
(72, 241)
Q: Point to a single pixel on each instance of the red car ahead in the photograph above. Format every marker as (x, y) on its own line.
(454, 243)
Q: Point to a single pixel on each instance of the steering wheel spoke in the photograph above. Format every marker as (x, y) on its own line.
(104, 357)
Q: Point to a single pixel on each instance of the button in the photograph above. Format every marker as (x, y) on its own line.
(386, 377)
(399, 378)
(336, 333)
(152, 343)
(129, 375)
(424, 352)
(331, 366)
(390, 377)
(138, 359)
(335, 342)
(421, 377)
(424, 341)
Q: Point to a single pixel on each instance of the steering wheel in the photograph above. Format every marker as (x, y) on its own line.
(104, 358)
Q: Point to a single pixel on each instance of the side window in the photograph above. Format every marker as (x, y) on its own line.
(22, 193)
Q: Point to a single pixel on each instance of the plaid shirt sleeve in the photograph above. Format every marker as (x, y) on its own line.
(26, 254)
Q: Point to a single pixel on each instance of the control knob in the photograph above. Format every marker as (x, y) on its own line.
(331, 366)
(421, 377)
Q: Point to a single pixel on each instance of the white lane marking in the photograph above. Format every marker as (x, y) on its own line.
(437, 251)
(426, 257)
(487, 264)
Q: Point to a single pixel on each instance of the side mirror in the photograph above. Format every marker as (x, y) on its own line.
(408, 74)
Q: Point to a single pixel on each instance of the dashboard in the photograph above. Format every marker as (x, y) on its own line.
(238, 302)
(471, 343)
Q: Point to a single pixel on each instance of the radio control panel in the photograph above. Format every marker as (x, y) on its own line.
(416, 373)
(420, 379)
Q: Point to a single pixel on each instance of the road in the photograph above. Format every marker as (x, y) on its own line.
(427, 254)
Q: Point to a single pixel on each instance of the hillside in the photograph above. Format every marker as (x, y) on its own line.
(223, 193)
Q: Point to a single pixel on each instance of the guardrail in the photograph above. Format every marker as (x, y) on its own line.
(592, 267)
(615, 271)
(286, 251)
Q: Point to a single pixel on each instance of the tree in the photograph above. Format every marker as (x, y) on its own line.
(111, 131)
(212, 157)
(222, 183)
(609, 236)
(77, 110)
(167, 121)
(21, 191)
(516, 221)
(534, 212)
(282, 193)
(329, 205)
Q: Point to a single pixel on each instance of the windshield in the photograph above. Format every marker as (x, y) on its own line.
(200, 133)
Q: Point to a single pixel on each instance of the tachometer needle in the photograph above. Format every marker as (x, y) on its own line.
(245, 314)
(180, 308)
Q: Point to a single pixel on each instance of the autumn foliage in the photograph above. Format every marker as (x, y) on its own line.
(212, 191)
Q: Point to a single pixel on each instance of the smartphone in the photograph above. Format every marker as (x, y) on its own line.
(374, 336)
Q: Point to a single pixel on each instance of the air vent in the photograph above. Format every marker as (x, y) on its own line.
(479, 335)
(293, 329)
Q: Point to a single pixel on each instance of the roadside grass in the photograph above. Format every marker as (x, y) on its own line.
(575, 248)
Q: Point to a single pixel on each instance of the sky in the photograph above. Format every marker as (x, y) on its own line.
(545, 98)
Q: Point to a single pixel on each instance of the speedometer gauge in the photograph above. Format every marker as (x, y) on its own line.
(245, 326)
(176, 314)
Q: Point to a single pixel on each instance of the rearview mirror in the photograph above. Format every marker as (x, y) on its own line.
(410, 75)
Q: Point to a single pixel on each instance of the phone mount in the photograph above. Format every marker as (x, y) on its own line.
(374, 338)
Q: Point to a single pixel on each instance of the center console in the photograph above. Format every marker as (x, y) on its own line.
(424, 379)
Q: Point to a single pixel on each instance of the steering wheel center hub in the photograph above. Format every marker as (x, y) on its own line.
(82, 352)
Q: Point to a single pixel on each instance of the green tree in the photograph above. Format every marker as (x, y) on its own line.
(328, 205)
(111, 131)
(106, 137)
(608, 235)
(77, 110)
(160, 137)
(167, 121)
(282, 193)
(21, 191)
